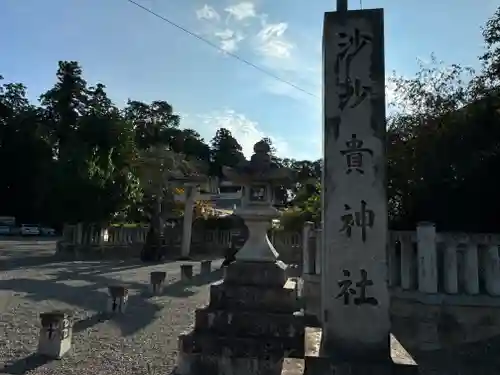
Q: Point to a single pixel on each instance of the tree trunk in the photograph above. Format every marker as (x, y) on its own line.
(152, 249)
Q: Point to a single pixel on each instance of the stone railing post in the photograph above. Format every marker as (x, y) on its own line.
(307, 253)
(427, 260)
(78, 234)
(492, 270)
(405, 241)
(471, 269)
(450, 268)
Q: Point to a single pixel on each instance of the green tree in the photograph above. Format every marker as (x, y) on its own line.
(226, 151)
(25, 155)
(94, 147)
(153, 123)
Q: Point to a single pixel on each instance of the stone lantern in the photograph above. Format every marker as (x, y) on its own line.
(250, 324)
(258, 177)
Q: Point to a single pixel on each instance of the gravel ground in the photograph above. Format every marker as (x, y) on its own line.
(142, 341)
(31, 282)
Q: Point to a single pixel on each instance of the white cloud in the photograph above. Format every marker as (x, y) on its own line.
(245, 130)
(241, 11)
(207, 13)
(271, 41)
(229, 39)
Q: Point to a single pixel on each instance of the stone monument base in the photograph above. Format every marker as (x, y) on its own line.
(325, 366)
(249, 326)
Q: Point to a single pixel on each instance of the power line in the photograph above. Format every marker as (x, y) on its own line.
(213, 45)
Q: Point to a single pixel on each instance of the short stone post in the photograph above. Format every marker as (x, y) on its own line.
(157, 281)
(55, 334)
(118, 299)
(308, 254)
(205, 267)
(186, 272)
(427, 262)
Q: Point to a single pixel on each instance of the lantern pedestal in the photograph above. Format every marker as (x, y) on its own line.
(257, 248)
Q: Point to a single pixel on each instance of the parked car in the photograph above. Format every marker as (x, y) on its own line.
(45, 231)
(30, 230)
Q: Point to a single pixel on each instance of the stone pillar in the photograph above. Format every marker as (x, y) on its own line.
(406, 260)
(118, 299)
(79, 234)
(206, 267)
(356, 321)
(471, 269)
(308, 254)
(55, 334)
(492, 270)
(186, 272)
(187, 224)
(157, 281)
(427, 261)
(450, 268)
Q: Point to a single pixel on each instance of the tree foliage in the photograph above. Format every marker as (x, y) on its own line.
(77, 157)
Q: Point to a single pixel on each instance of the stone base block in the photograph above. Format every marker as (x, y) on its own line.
(324, 366)
(241, 347)
(186, 272)
(248, 297)
(265, 274)
(206, 267)
(194, 364)
(54, 348)
(55, 334)
(252, 324)
(117, 305)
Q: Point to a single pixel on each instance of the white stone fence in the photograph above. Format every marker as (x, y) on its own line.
(424, 261)
(288, 244)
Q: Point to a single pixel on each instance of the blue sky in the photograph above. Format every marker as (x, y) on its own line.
(141, 57)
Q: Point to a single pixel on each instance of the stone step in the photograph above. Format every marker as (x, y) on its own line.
(233, 346)
(195, 363)
(322, 365)
(248, 323)
(254, 298)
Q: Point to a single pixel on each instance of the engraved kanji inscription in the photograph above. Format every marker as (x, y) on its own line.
(352, 91)
(354, 155)
(362, 219)
(356, 290)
